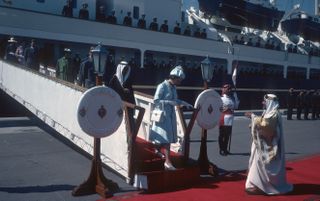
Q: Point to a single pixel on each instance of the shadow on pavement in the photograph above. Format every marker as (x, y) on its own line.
(39, 189)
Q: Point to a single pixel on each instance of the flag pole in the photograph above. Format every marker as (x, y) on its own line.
(234, 80)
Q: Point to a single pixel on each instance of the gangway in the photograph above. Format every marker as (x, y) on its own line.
(55, 102)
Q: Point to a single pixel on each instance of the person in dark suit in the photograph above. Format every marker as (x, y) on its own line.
(67, 10)
(11, 50)
(101, 15)
(290, 103)
(85, 71)
(203, 33)
(164, 27)
(299, 104)
(318, 103)
(31, 56)
(187, 31)
(177, 29)
(314, 104)
(154, 25)
(197, 33)
(142, 22)
(111, 19)
(76, 66)
(307, 104)
(84, 13)
(127, 21)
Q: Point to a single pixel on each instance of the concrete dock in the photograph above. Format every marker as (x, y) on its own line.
(37, 164)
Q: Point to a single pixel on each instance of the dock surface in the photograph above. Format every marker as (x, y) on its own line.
(39, 165)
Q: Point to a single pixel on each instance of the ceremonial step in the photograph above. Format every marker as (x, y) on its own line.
(166, 180)
(151, 175)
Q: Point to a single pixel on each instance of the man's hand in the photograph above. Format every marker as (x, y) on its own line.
(248, 114)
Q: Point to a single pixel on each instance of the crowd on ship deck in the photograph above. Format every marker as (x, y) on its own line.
(273, 44)
(189, 30)
(27, 52)
(24, 53)
(269, 44)
(154, 25)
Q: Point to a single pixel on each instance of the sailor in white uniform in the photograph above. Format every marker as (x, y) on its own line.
(230, 102)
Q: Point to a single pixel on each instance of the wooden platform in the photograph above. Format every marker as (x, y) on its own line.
(153, 178)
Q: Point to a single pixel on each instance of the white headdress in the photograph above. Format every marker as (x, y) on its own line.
(178, 71)
(272, 105)
(122, 78)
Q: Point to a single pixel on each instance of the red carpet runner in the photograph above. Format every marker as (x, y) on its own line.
(303, 174)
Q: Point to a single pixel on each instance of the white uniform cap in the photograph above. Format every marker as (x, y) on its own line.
(178, 72)
(12, 40)
(67, 50)
(124, 62)
(270, 97)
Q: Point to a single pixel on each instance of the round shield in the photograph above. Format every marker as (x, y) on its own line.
(100, 111)
(209, 102)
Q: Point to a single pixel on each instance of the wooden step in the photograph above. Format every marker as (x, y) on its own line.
(151, 175)
(165, 180)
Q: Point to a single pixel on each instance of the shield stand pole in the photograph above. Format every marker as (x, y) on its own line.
(206, 167)
(97, 182)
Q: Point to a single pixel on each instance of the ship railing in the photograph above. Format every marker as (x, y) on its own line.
(49, 71)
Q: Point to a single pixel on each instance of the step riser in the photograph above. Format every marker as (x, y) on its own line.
(162, 181)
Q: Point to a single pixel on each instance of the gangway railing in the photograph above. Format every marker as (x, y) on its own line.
(55, 101)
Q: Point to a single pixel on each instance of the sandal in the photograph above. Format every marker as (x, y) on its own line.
(169, 166)
(254, 191)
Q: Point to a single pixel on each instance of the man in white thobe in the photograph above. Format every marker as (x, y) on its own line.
(267, 173)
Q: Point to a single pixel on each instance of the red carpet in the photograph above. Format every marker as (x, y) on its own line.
(303, 174)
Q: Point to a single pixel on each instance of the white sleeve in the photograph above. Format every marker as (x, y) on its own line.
(236, 100)
(170, 102)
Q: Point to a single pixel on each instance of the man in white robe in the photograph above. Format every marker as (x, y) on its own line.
(267, 173)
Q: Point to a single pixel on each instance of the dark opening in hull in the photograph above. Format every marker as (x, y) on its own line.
(306, 28)
(243, 13)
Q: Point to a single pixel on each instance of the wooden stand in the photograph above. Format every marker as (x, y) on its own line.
(206, 167)
(96, 183)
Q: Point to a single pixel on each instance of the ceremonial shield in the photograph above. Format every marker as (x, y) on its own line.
(100, 111)
(209, 102)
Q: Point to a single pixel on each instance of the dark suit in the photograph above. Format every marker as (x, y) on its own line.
(84, 14)
(141, 23)
(31, 56)
(67, 11)
(290, 104)
(126, 93)
(299, 105)
(84, 78)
